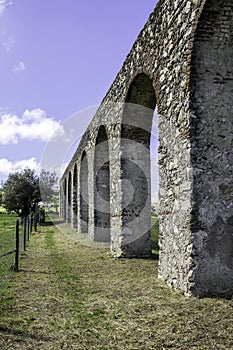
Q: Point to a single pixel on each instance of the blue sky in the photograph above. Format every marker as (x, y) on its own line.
(57, 57)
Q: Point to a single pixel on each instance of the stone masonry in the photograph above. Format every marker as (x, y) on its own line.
(181, 64)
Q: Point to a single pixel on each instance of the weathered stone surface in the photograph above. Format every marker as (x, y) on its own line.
(182, 63)
(211, 87)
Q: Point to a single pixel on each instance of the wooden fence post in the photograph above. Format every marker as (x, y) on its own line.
(24, 232)
(28, 227)
(35, 217)
(35, 220)
(31, 222)
(17, 245)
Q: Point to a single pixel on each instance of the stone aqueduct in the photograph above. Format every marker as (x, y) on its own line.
(181, 63)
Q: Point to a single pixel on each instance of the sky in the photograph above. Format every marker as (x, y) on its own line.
(57, 58)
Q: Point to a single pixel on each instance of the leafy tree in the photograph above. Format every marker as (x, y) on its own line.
(48, 185)
(0, 196)
(21, 191)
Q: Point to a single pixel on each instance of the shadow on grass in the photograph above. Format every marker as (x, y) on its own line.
(154, 256)
(154, 239)
(14, 332)
(52, 222)
(36, 272)
(46, 223)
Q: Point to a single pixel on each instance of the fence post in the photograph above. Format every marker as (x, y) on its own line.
(28, 227)
(17, 245)
(31, 222)
(24, 232)
(35, 219)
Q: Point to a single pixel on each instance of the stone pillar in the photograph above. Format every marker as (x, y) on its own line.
(74, 198)
(78, 198)
(90, 159)
(69, 197)
(115, 189)
(175, 173)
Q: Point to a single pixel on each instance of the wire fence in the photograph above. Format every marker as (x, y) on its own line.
(14, 235)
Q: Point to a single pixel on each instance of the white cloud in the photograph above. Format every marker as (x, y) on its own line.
(3, 5)
(19, 67)
(32, 125)
(7, 167)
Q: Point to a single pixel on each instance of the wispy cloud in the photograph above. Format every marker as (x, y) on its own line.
(8, 44)
(9, 167)
(19, 67)
(32, 125)
(3, 5)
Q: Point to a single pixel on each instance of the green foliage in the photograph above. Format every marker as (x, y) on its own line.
(48, 183)
(155, 234)
(21, 191)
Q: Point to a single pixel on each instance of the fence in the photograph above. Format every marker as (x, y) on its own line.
(13, 241)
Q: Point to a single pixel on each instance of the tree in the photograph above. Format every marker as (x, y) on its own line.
(0, 196)
(48, 185)
(21, 192)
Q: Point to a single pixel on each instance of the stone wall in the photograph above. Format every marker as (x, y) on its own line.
(211, 107)
(181, 63)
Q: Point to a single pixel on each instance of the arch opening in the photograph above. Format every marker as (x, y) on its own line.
(136, 138)
(84, 207)
(102, 188)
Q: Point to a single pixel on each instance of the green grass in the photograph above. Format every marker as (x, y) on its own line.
(7, 244)
(7, 228)
(2, 209)
(70, 296)
(155, 235)
(7, 232)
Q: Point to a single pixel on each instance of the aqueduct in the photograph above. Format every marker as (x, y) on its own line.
(181, 64)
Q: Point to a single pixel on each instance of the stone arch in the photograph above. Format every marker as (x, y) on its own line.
(69, 197)
(135, 166)
(191, 76)
(102, 187)
(84, 194)
(75, 202)
(211, 86)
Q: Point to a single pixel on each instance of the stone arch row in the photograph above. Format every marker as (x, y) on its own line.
(76, 188)
(186, 46)
(88, 195)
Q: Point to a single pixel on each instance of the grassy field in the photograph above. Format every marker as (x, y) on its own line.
(70, 296)
(7, 244)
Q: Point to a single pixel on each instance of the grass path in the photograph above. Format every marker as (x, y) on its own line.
(69, 296)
